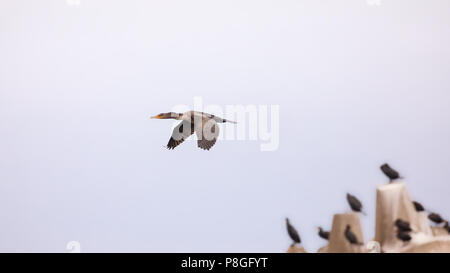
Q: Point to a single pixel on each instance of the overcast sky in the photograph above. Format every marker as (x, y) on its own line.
(357, 85)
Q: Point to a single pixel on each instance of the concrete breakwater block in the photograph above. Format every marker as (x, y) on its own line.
(393, 202)
(337, 241)
(296, 249)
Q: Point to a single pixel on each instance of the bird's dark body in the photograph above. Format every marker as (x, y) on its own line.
(402, 226)
(351, 237)
(447, 227)
(293, 233)
(418, 206)
(389, 172)
(354, 203)
(436, 218)
(404, 236)
(324, 234)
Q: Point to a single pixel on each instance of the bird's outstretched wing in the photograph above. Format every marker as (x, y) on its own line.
(181, 132)
(207, 133)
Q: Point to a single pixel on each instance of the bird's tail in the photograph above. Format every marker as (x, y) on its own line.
(230, 121)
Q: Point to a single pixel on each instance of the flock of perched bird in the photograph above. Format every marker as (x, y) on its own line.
(204, 125)
(403, 227)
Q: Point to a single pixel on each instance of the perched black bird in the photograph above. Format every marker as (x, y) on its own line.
(389, 172)
(354, 203)
(447, 227)
(292, 233)
(351, 237)
(418, 206)
(435, 218)
(402, 226)
(404, 236)
(324, 234)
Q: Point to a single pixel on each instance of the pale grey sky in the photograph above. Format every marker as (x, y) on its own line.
(357, 85)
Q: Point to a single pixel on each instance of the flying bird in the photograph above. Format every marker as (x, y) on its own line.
(402, 226)
(389, 172)
(436, 218)
(203, 124)
(404, 236)
(354, 203)
(418, 206)
(293, 233)
(351, 237)
(323, 234)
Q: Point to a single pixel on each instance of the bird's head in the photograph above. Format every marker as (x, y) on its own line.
(347, 227)
(170, 115)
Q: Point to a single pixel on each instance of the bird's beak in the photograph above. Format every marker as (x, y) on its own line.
(158, 117)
